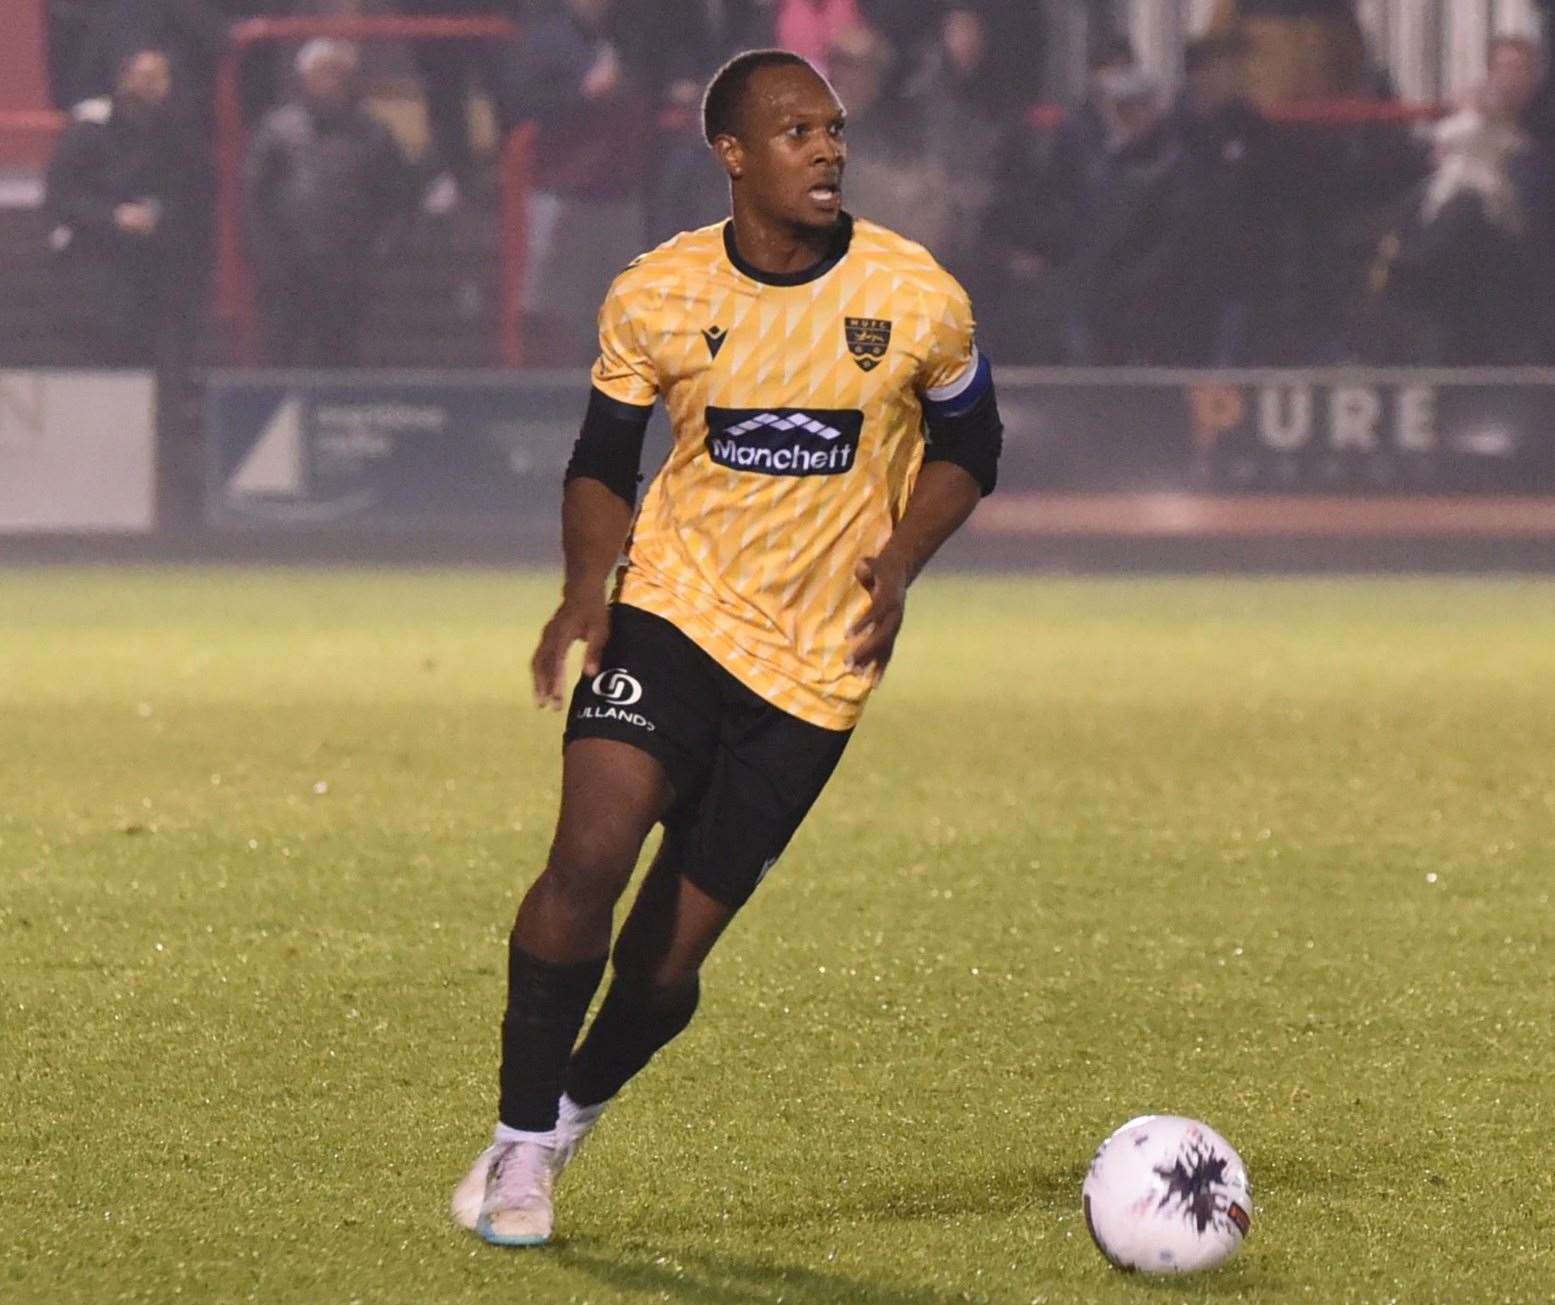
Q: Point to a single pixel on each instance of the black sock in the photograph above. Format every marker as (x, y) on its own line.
(546, 1006)
(632, 1024)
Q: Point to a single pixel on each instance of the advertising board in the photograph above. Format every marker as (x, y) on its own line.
(77, 452)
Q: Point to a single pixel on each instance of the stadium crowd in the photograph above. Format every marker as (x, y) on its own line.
(1143, 225)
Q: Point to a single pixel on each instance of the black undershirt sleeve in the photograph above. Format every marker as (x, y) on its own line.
(609, 448)
(972, 438)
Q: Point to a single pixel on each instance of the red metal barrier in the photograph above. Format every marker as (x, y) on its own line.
(31, 122)
(1303, 113)
(27, 135)
(234, 290)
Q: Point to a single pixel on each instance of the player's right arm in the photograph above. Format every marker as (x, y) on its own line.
(600, 496)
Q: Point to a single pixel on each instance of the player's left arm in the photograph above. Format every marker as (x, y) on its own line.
(960, 466)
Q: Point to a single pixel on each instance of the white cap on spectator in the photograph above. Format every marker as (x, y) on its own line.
(324, 50)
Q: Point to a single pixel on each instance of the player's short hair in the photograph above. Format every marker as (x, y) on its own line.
(725, 94)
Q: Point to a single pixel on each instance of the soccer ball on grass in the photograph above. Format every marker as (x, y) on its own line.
(1167, 1195)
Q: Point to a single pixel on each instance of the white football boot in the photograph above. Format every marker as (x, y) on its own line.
(465, 1207)
(573, 1124)
(516, 1209)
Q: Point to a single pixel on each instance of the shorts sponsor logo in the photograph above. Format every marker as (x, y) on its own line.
(785, 441)
(617, 688)
(618, 714)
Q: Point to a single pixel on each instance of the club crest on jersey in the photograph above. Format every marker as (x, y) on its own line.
(868, 339)
(785, 441)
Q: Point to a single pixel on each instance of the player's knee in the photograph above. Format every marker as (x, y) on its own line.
(589, 868)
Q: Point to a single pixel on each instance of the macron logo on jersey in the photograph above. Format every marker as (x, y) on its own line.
(785, 441)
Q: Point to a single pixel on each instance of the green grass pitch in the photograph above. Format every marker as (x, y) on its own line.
(1276, 854)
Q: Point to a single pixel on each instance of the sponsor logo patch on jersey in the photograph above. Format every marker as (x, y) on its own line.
(868, 339)
(785, 441)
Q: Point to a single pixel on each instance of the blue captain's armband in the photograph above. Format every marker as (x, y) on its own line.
(960, 395)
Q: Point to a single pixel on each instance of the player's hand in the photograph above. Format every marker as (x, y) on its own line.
(574, 622)
(885, 578)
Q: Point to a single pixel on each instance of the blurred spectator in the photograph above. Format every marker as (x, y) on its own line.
(1463, 280)
(812, 28)
(451, 70)
(191, 33)
(674, 48)
(585, 214)
(1048, 173)
(324, 187)
(963, 121)
(1212, 271)
(888, 177)
(686, 188)
(1160, 247)
(1110, 251)
(1514, 77)
(1295, 49)
(119, 202)
(1516, 80)
(1012, 61)
(1539, 117)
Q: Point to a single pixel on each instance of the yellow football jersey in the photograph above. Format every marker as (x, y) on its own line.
(795, 404)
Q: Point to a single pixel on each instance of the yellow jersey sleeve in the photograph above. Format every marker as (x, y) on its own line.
(952, 331)
(624, 371)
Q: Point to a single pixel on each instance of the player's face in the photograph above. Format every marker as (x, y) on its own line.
(790, 154)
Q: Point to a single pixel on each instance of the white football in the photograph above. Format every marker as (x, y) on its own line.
(1167, 1195)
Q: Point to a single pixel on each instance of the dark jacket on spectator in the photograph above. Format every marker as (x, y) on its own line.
(321, 188)
(1046, 177)
(1466, 276)
(588, 149)
(106, 158)
(124, 289)
(1178, 235)
(962, 129)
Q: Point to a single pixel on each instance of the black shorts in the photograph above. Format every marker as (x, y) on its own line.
(745, 773)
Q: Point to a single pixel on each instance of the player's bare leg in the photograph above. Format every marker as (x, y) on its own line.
(612, 795)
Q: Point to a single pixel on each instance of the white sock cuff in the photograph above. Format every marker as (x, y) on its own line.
(503, 1135)
(567, 1108)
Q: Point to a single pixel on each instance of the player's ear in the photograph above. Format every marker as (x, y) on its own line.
(731, 154)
